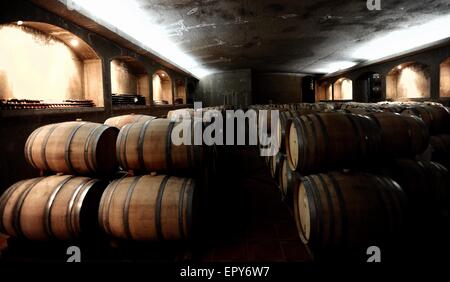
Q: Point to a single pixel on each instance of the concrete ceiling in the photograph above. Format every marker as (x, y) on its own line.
(281, 35)
(293, 36)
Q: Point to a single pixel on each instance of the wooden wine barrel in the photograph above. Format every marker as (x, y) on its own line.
(283, 121)
(73, 148)
(288, 180)
(401, 135)
(440, 147)
(148, 147)
(148, 208)
(426, 184)
(437, 118)
(337, 210)
(323, 141)
(56, 207)
(121, 121)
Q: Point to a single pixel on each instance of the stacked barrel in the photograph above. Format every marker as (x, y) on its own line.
(157, 202)
(61, 206)
(124, 178)
(353, 180)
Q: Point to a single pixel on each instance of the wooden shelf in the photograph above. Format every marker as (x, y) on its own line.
(45, 112)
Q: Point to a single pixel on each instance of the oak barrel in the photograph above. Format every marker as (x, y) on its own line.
(401, 135)
(148, 147)
(121, 121)
(426, 184)
(55, 207)
(148, 208)
(73, 148)
(437, 118)
(337, 210)
(321, 141)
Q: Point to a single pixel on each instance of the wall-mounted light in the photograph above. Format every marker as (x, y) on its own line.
(399, 67)
(163, 75)
(20, 23)
(74, 42)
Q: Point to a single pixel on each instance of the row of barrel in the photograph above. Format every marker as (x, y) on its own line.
(66, 207)
(152, 204)
(143, 144)
(348, 177)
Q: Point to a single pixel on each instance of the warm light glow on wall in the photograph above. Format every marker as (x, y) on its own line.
(445, 79)
(412, 81)
(329, 92)
(343, 89)
(162, 88)
(122, 80)
(35, 66)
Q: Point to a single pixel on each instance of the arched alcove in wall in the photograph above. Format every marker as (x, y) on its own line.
(368, 87)
(130, 82)
(43, 62)
(162, 88)
(324, 91)
(445, 78)
(343, 89)
(408, 81)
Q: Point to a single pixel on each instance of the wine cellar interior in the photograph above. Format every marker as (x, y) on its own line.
(351, 131)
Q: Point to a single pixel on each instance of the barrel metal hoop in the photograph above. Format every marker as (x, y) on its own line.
(126, 210)
(313, 212)
(86, 150)
(17, 211)
(342, 207)
(159, 199)
(190, 206)
(49, 207)
(70, 207)
(44, 146)
(94, 146)
(123, 157)
(387, 202)
(330, 208)
(324, 130)
(68, 145)
(409, 129)
(169, 161)
(357, 131)
(106, 221)
(4, 201)
(140, 147)
(180, 208)
(76, 209)
(29, 146)
(315, 137)
(315, 194)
